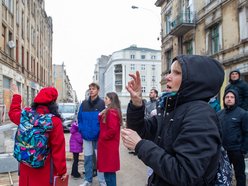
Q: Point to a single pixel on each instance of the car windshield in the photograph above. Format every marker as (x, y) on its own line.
(67, 108)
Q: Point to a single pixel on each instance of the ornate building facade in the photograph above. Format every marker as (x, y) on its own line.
(216, 28)
(25, 49)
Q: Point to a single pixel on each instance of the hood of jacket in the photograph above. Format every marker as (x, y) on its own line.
(74, 128)
(202, 78)
(236, 99)
(234, 81)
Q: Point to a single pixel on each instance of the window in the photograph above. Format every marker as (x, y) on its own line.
(22, 31)
(32, 93)
(167, 18)
(143, 67)
(17, 13)
(28, 29)
(153, 78)
(33, 65)
(10, 48)
(28, 5)
(27, 57)
(143, 78)
(189, 47)
(143, 89)
(6, 82)
(37, 72)
(3, 37)
(153, 67)
(213, 39)
(132, 66)
(37, 43)
(17, 51)
(132, 56)
(9, 4)
(23, 63)
(168, 58)
(143, 56)
(153, 57)
(27, 100)
(18, 84)
(243, 23)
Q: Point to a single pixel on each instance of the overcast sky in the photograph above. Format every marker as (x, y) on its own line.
(83, 30)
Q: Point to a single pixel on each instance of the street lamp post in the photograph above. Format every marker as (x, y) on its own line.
(149, 10)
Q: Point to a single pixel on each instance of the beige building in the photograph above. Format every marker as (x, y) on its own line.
(25, 49)
(216, 28)
(63, 85)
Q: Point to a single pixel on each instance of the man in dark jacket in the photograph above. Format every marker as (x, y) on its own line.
(234, 123)
(240, 86)
(182, 143)
(89, 128)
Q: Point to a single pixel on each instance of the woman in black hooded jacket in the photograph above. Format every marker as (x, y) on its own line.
(182, 143)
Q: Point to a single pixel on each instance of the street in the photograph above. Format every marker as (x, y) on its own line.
(132, 172)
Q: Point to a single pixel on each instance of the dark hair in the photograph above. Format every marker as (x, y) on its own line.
(115, 104)
(94, 85)
(52, 106)
(156, 92)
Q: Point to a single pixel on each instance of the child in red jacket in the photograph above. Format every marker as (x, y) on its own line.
(76, 146)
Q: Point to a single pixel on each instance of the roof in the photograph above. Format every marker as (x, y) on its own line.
(134, 47)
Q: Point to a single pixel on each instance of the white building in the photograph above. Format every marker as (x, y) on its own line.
(129, 60)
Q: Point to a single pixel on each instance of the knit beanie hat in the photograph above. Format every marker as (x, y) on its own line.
(46, 95)
(236, 70)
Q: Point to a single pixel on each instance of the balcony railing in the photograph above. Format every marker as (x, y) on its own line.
(118, 82)
(118, 70)
(184, 22)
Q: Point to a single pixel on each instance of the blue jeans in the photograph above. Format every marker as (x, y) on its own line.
(89, 146)
(110, 178)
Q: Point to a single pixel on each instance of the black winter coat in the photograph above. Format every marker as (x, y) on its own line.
(188, 149)
(242, 88)
(234, 124)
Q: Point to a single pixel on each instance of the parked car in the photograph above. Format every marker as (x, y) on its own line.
(68, 113)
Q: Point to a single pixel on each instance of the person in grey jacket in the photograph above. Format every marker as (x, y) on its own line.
(234, 124)
(152, 103)
(182, 142)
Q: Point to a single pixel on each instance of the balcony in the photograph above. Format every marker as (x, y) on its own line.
(183, 23)
(118, 82)
(118, 71)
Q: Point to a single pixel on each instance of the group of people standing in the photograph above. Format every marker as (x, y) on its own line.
(99, 123)
(178, 134)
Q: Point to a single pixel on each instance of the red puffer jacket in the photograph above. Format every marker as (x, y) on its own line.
(41, 176)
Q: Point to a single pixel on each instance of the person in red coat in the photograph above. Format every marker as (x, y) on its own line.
(44, 102)
(108, 157)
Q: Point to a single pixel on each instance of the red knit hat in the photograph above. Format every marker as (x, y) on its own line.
(46, 95)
